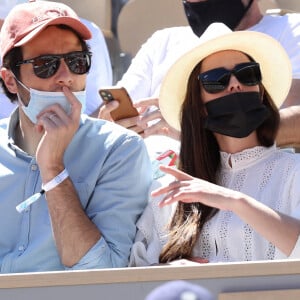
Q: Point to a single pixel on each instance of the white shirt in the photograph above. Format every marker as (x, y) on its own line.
(145, 74)
(286, 30)
(164, 47)
(268, 175)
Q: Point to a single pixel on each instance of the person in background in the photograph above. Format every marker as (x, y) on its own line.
(116, 7)
(235, 196)
(68, 192)
(179, 290)
(147, 70)
(100, 73)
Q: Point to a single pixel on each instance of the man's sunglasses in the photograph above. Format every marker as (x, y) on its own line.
(45, 66)
(217, 80)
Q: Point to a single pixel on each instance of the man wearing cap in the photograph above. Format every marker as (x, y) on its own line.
(66, 200)
(100, 73)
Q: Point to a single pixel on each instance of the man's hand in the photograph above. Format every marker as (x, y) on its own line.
(69, 221)
(59, 129)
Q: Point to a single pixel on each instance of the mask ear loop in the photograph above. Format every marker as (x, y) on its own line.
(24, 87)
(247, 7)
(261, 92)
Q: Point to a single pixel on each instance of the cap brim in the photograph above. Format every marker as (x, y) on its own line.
(274, 62)
(77, 25)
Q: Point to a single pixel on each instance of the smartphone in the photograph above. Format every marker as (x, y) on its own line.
(125, 109)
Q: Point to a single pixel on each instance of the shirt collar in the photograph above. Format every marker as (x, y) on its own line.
(245, 158)
(13, 123)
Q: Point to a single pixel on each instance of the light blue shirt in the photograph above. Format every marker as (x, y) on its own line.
(111, 171)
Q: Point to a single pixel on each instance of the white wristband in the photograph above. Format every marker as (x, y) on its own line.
(45, 188)
(55, 181)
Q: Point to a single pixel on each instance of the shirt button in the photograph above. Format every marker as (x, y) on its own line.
(34, 167)
(21, 248)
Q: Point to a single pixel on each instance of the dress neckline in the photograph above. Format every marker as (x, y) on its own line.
(245, 158)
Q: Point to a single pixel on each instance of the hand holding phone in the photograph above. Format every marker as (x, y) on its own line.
(125, 108)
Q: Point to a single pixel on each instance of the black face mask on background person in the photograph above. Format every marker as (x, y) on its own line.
(201, 14)
(236, 115)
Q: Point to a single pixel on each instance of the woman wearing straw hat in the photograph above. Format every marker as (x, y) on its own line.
(235, 197)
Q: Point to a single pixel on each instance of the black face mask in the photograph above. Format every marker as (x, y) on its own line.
(201, 14)
(236, 115)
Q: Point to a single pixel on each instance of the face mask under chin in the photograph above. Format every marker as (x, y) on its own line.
(39, 100)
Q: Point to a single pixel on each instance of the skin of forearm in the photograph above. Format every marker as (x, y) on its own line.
(74, 232)
(289, 133)
(279, 229)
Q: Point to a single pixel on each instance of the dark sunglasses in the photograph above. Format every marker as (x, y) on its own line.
(45, 66)
(217, 80)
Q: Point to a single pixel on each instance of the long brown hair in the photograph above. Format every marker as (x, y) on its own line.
(200, 157)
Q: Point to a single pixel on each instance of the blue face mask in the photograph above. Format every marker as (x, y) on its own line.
(39, 100)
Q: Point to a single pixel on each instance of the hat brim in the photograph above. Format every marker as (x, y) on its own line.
(274, 63)
(76, 25)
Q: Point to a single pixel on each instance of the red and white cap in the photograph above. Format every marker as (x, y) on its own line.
(27, 20)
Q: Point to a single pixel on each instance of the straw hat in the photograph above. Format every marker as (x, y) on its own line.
(274, 64)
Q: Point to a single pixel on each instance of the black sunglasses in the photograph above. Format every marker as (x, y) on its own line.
(216, 80)
(45, 66)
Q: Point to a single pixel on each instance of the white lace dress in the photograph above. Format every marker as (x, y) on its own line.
(268, 175)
